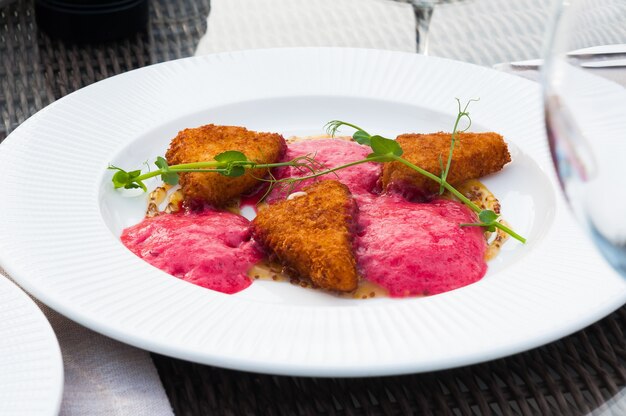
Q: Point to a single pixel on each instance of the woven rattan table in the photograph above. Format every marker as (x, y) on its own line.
(576, 375)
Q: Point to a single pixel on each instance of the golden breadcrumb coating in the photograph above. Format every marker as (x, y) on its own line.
(475, 155)
(310, 234)
(204, 143)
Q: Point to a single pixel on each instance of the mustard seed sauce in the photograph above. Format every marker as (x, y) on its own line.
(473, 189)
(157, 197)
(479, 194)
(266, 270)
(175, 202)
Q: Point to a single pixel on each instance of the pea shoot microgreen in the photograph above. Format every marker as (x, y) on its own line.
(127, 180)
(461, 114)
(231, 163)
(387, 150)
(234, 163)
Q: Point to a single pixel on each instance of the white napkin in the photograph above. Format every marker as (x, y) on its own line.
(251, 24)
(104, 377)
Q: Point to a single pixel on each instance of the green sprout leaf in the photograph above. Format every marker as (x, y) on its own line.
(167, 176)
(170, 178)
(488, 219)
(487, 216)
(233, 159)
(134, 182)
(385, 147)
(231, 156)
(120, 178)
(234, 171)
(362, 137)
(161, 163)
(126, 180)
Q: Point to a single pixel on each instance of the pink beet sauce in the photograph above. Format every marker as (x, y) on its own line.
(407, 248)
(211, 249)
(360, 179)
(418, 248)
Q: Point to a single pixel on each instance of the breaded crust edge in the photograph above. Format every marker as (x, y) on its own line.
(312, 235)
(475, 155)
(204, 143)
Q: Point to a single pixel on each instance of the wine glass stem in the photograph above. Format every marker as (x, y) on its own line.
(423, 15)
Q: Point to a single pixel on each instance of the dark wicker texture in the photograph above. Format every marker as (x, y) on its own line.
(573, 376)
(36, 70)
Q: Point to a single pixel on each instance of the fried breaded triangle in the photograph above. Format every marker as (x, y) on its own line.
(311, 234)
(475, 155)
(204, 143)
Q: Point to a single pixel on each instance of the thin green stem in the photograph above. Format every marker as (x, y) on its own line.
(197, 165)
(460, 196)
(203, 167)
(327, 171)
(356, 128)
(444, 176)
(510, 232)
(445, 184)
(334, 125)
(148, 175)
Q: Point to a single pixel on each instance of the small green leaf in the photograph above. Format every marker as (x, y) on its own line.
(126, 180)
(362, 137)
(487, 216)
(231, 156)
(133, 174)
(235, 171)
(120, 179)
(379, 158)
(383, 146)
(136, 184)
(170, 178)
(161, 163)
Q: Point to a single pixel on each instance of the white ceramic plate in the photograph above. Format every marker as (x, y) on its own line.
(31, 368)
(63, 219)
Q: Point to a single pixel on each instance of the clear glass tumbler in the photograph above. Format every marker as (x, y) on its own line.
(585, 114)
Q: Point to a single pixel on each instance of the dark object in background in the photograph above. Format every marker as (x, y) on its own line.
(91, 20)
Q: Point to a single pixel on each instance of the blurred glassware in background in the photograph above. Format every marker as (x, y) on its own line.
(585, 111)
(423, 10)
(91, 20)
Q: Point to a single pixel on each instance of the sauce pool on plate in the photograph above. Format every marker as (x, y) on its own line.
(402, 248)
(329, 153)
(419, 248)
(211, 249)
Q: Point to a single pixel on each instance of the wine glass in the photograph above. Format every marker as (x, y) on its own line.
(423, 10)
(585, 109)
